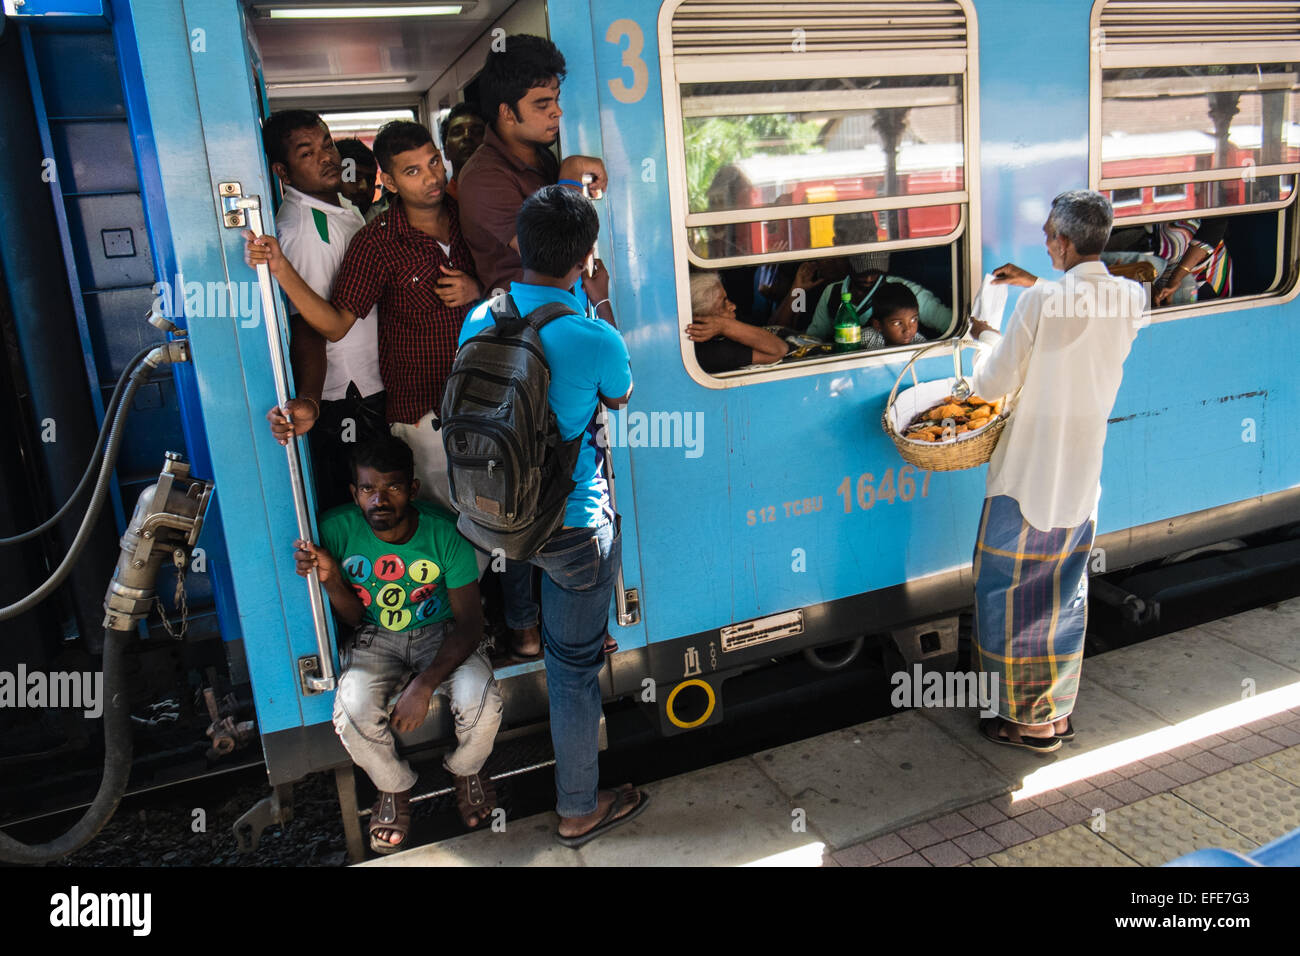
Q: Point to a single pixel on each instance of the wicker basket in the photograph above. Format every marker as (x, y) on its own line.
(966, 451)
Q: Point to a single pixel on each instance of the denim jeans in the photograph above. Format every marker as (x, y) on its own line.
(377, 668)
(580, 565)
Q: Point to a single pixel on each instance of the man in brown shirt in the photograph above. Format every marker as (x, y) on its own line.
(519, 93)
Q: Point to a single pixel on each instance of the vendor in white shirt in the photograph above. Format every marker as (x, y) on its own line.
(339, 390)
(1064, 347)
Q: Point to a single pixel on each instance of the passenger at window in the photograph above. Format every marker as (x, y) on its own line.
(339, 381)
(359, 175)
(894, 318)
(868, 272)
(723, 343)
(460, 133)
(414, 266)
(806, 287)
(398, 571)
(1191, 254)
(1196, 250)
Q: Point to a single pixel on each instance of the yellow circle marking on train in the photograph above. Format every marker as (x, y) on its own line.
(708, 711)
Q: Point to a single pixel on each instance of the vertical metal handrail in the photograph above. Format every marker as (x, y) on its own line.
(252, 206)
(602, 422)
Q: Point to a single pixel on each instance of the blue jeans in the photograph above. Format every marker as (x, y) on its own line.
(580, 565)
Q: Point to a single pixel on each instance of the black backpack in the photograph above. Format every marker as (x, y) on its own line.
(510, 471)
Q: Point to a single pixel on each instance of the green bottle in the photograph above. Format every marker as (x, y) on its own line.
(848, 327)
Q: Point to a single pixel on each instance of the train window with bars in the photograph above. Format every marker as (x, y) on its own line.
(779, 158)
(1196, 139)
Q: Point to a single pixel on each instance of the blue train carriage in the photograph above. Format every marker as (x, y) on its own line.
(764, 510)
(791, 521)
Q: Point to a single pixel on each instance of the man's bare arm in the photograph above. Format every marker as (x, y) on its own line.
(320, 315)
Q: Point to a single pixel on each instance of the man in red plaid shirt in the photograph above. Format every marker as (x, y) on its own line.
(413, 262)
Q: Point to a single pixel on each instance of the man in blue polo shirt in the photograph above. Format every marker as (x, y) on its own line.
(556, 229)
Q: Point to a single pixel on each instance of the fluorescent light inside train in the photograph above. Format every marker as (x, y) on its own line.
(306, 84)
(359, 13)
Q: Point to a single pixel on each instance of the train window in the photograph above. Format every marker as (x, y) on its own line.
(1196, 138)
(786, 145)
(782, 156)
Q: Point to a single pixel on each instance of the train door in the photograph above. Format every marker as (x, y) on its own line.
(200, 80)
(769, 502)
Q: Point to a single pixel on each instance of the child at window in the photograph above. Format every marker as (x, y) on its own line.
(894, 318)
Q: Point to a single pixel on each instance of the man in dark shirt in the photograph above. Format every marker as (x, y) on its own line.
(359, 175)
(461, 133)
(413, 263)
(519, 94)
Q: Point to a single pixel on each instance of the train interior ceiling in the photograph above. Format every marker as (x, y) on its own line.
(358, 69)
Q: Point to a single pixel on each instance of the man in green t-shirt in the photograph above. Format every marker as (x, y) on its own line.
(397, 570)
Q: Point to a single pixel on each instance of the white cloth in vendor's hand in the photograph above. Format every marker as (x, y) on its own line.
(990, 303)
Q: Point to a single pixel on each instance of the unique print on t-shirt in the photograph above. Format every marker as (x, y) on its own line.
(401, 586)
(389, 567)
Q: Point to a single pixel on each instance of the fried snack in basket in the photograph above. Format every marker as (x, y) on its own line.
(949, 418)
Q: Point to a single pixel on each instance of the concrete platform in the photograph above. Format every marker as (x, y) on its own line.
(1185, 741)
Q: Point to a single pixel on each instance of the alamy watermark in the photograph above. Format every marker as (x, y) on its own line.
(85, 909)
(210, 300)
(37, 690)
(626, 429)
(921, 688)
(1082, 299)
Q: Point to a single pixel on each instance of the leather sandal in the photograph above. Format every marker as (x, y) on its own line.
(475, 798)
(392, 812)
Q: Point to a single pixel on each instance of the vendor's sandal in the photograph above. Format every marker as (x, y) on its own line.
(617, 815)
(1000, 731)
(1069, 730)
(476, 798)
(391, 812)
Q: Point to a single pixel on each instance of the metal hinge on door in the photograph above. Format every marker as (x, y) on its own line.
(231, 215)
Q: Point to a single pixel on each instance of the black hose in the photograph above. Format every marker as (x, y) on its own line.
(117, 769)
(114, 446)
(109, 413)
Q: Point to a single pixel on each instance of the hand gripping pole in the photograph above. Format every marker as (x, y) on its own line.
(323, 679)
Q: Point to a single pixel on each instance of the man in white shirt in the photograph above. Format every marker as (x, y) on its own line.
(1064, 348)
(339, 389)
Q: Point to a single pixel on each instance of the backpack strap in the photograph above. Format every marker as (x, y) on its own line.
(547, 313)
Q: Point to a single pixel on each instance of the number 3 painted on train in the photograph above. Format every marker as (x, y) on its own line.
(631, 59)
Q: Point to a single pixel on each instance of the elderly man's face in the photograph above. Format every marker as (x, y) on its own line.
(1055, 246)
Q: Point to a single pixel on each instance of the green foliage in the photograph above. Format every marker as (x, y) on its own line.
(714, 141)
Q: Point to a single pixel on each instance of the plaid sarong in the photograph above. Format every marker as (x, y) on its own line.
(1031, 611)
